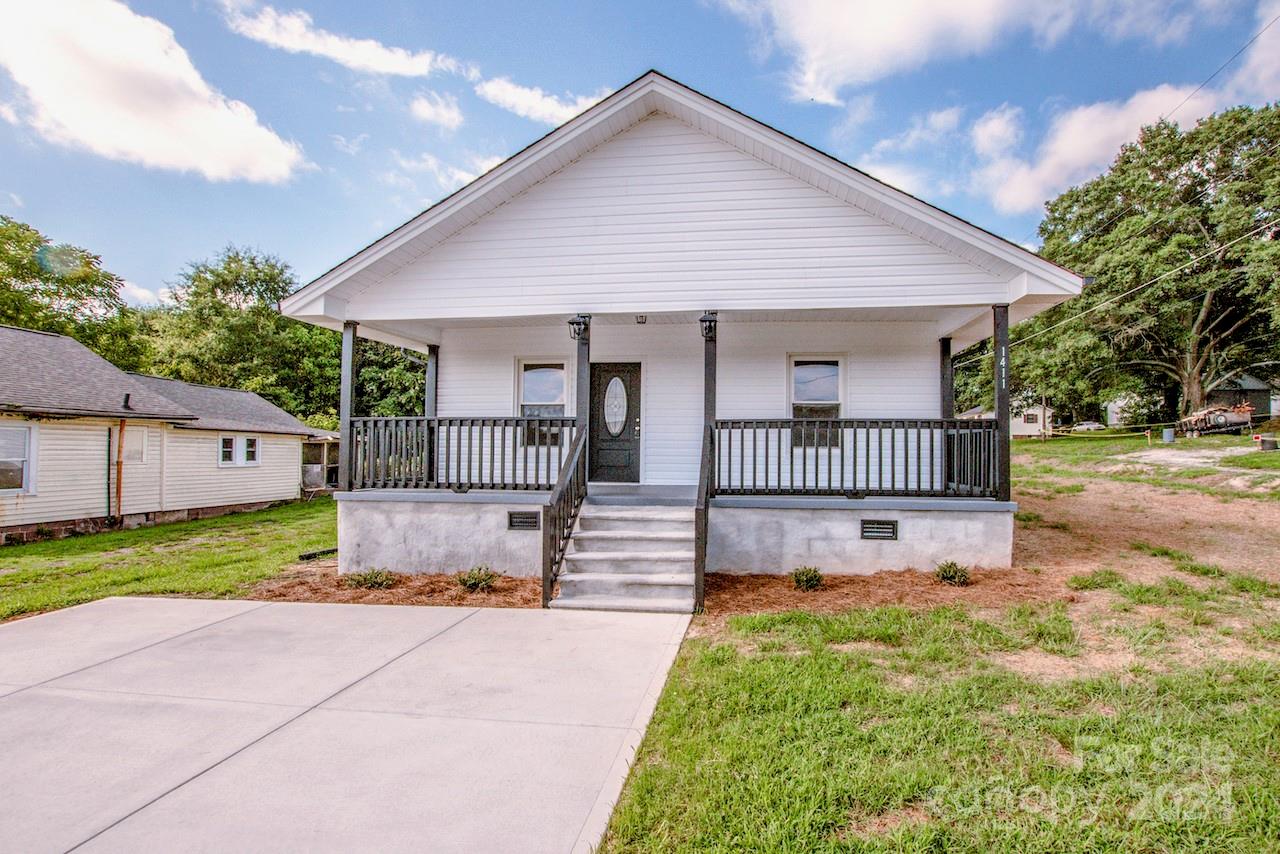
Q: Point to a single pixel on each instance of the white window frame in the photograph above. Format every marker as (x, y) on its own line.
(134, 430)
(239, 443)
(29, 468)
(525, 436)
(841, 381)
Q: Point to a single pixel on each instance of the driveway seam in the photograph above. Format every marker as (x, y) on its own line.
(271, 731)
(157, 696)
(132, 651)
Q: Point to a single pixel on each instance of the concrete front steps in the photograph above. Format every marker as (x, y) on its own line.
(629, 558)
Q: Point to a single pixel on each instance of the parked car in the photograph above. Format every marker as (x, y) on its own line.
(1087, 427)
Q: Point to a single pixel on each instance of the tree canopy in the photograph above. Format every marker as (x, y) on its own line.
(63, 288)
(1179, 235)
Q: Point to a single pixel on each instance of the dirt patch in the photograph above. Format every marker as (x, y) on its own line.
(885, 822)
(318, 581)
(739, 594)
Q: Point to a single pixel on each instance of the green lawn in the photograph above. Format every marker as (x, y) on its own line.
(209, 557)
(894, 730)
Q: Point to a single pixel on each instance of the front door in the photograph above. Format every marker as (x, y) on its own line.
(614, 445)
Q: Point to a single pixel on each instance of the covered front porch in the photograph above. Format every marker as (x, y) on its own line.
(798, 415)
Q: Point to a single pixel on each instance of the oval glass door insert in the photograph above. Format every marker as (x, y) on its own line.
(615, 406)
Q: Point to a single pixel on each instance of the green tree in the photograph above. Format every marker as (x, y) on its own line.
(1208, 197)
(224, 328)
(63, 288)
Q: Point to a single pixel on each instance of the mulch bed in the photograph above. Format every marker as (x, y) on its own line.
(318, 581)
(745, 594)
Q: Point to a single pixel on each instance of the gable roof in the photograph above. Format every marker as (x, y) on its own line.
(50, 374)
(217, 408)
(326, 296)
(54, 375)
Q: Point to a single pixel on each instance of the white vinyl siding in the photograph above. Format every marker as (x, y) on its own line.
(664, 217)
(194, 477)
(75, 472)
(891, 370)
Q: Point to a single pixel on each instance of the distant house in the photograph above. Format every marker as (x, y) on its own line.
(187, 450)
(1244, 389)
(1035, 420)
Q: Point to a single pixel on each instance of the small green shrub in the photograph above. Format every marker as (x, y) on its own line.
(950, 572)
(806, 577)
(478, 579)
(44, 532)
(370, 579)
(1096, 580)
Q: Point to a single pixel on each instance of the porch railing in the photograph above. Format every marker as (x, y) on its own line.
(952, 457)
(459, 453)
(701, 506)
(560, 513)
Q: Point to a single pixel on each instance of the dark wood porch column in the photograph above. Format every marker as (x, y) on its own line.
(1000, 316)
(580, 331)
(432, 391)
(346, 378)
(948, 378)
(709, 323)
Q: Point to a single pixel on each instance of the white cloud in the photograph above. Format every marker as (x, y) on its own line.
(928, 129)
(137, 295)
(906, 177)
(837, 43)
(1083, 140)
(437, 109)
(859, 110)
(9, 113)
(296, 32)
(533, 103)
(447, 176)
(349, 146)
(15, 200)
(134, 96)
(997, 131)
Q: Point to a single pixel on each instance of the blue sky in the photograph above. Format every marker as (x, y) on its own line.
(155, 133)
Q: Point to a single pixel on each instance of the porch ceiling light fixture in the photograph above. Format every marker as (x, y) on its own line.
(708, 322)
(642, 319)
(579, 326)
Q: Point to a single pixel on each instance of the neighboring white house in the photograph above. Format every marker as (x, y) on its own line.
(667, 338)
(1034, 420)
(187, 451)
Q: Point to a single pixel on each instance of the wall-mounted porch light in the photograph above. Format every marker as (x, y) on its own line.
(642, 319)
(579, 327)
(708, 322)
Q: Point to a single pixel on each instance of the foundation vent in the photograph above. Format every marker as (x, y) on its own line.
(523, 520)
(879, 529)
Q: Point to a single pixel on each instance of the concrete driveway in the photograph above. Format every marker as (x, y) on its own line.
(191, 725)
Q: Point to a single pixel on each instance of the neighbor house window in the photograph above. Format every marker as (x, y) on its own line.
(135, 444)
(15, 459)
(815, 393)
(1030, 418)
(237, 450)
(542, 395)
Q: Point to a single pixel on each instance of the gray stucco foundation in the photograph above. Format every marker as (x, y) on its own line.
(436, 533)
(777, 539)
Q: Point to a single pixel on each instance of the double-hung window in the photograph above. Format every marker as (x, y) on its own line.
(815, 394)
(135, 444)
(16, 470)
(237, 450)
(542, 395)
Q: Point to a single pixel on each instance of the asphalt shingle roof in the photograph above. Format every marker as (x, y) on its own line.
(225, 408)
(46, 374)
(42, 373)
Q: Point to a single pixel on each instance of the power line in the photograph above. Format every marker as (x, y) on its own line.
(1131, 291)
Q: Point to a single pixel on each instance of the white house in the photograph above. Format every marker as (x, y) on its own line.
(667, 339)
(186, 450)
(1030, 421)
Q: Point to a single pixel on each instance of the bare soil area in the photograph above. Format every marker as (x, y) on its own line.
(318, 581)
(1070, 535)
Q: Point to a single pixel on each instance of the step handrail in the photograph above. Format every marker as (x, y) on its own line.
(560, 513)
(706, 488)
